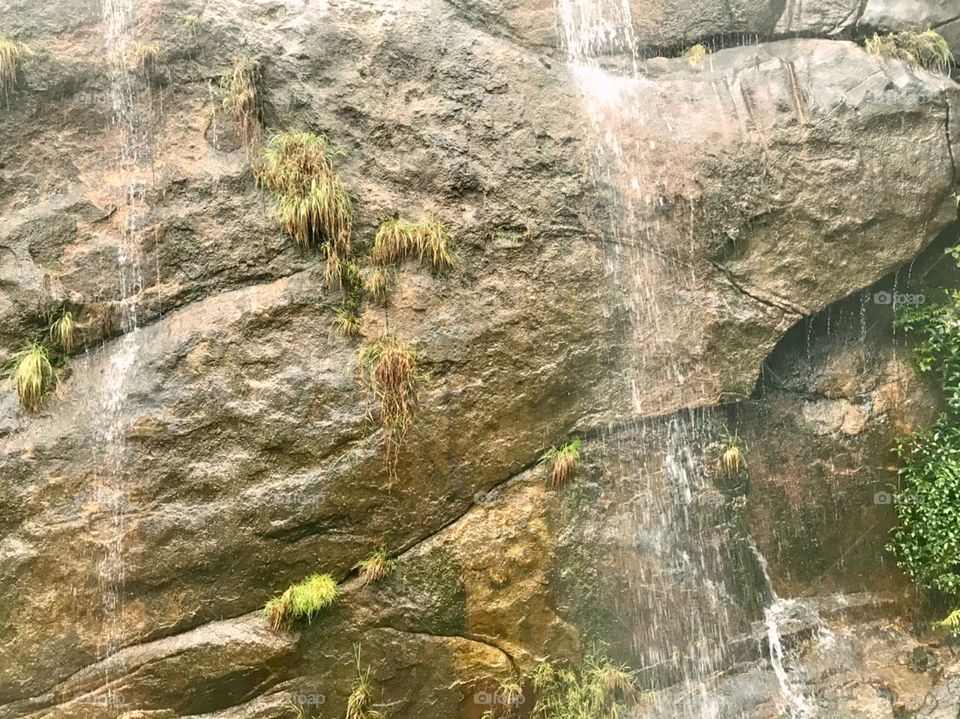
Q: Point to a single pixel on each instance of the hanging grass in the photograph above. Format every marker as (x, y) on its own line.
(33, 375)
(391, 370)
(360, 702)
(732, 462)
(377, 285)
(926, 49)
(63, 331)
(302, 601)
(375, 567)
(399, 240)
(562, 460)
(146, 57)
(696, 55)
(312, 204)
(12, 54)
(242, 100)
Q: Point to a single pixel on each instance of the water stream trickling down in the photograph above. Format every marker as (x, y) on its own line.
(119, 19)
(687, 605)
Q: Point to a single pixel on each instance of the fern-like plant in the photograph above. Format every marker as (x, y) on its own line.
(562, 461)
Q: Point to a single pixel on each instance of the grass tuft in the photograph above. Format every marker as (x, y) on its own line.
(696, 55)
(732, 462)
(303, 600)
(12, 54)
(391, 370)
(242, 100)
(377, 285)
(375, 567)
(398, 240)
(599, 689)
(926, 49)
(63, 331)
(360, 702)
(347, 322)
(33, 375)
(146, 56)
(562, 460)
(312, 204)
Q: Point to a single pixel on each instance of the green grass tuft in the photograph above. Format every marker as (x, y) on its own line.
(312, 204)
(242, 100)
(63, 331)
(347, 322)
(399, 240)
(302, 601)
(562, 460)
(599, 689)
(12, 54)
(926, 49)
(377, 285)
(391, 370)
(375, 567)
(33, 375)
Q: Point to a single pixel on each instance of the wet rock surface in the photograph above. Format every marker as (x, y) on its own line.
(773, 182)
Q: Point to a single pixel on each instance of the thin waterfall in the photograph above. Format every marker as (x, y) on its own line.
(686, 550)
(111, 496)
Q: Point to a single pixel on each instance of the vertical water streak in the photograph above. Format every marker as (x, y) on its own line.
(119, 19)
(685, 607)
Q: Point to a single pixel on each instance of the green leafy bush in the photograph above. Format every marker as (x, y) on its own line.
(926, 540)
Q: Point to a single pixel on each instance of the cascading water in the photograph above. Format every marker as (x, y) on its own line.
(111, 496)
(690, 604)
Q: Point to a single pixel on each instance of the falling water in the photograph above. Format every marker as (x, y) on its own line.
(688, 604)
(119, 16)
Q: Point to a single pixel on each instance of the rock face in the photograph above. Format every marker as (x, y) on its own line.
(189, 470)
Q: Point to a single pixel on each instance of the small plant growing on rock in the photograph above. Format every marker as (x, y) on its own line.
(507, 699)
(312, 204)
(242, 100)
(63, 331)
(398, 240)
(926, 49)
(360, 702)
(562, 461)
(146, 56)
(347, 322)
(599, 689)
(377, 285)
(391, 370)
(696, 55)
(12, 55)
(732, 462)
(926, 540)
(302, 601)
(375, 567)
(33, 375)
(951, 622)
